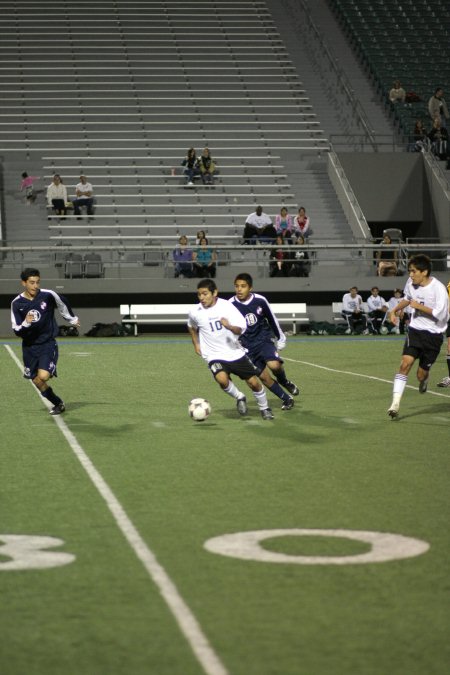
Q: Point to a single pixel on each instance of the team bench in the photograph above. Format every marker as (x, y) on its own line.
(286, 312)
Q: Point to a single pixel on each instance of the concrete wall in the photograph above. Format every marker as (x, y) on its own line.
(388, 186)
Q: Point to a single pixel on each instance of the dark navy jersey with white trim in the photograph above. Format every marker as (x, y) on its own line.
(262, 324)
(43, 326)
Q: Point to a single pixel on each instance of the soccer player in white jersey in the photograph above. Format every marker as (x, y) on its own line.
(215, 326)
(445, 382)
(428, 300)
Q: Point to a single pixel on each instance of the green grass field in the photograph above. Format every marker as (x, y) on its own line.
(134, 488)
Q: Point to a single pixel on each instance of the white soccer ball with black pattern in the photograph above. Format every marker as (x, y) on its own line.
(199, 409)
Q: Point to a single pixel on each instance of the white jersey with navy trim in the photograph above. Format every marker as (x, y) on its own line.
(433, 295)
(375, 303)
(217, 342)
(350, 303)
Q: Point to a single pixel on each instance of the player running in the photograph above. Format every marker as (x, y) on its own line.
(215, 326)
(33, 320)
(427, 298)
(445, 382)
(258, 339)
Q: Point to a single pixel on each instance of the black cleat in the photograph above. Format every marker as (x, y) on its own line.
(292, 388)
(288, 405)
(241, 406)
(423, 386)
(393, 411)
(58, 409)
(267, 414)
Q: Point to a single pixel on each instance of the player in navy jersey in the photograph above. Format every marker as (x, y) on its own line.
(33, 320)
(427, 298)
(262, 329)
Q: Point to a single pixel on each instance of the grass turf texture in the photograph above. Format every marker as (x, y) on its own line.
(334, 461)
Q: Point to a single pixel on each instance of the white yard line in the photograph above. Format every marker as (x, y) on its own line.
(368, 377)
(185, 619)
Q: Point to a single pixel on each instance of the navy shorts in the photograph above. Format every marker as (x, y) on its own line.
(424, 346)
(40, 357)
(243, 367)
(264, 353)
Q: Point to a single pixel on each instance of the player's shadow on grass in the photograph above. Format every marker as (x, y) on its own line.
(438, 408)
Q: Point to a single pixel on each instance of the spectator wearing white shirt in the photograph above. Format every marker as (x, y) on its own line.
(259, 227)
(57, 196)
(402, 317)
(377, 308)
(84, 197)
(353, 313)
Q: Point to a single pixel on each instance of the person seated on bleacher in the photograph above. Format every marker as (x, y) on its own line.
(420, 141)
(207, 167)
(353, 313)
(386, 260)
(377, 307)
(280, 259)
(259, 228)
(204, 259)
(57, 196)
(182, 256)
(284, 224)
(84, 197)
(191, 169)
(397, 94)
(301, 264)
(439, 139)
(302, 224)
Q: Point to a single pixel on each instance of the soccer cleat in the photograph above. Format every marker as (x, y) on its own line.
(445, 382)
(423, 386)
(393, 410)
(241, 406)
(366, 331)
(348, 331)
(288, 405)
(292, 388)
(58, 409)
(267, 414)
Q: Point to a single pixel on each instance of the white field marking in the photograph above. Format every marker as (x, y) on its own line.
(159, 425)
(439, 418)
(349, 420)
(384, 546)
(185, 619)
(80, 353)
(368, 377)
(27, 552)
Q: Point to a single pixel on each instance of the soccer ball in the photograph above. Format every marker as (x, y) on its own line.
(384, 330)
(199, 409)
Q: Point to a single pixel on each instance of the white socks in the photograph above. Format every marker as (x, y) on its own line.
(233, 391)
(261, 398)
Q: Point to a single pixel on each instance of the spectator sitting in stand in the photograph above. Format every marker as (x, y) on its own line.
(201, 234)
(207, 167)
(377, 307)
(83, 197)
(205, 260)
(190, 164)
(182, 256)
(437, 107)
(57, 196)
(397, 94)
(439, 139)
(27, 185)
(279, 259)
(284, 224)
(302, 224)
(353, 313)
(420, 141)
(386, 260)
(301, 264)
(259, 228)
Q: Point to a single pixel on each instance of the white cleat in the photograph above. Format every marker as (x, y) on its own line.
(445, 382)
